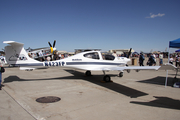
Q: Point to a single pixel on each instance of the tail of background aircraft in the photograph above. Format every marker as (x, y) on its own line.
(16, 54)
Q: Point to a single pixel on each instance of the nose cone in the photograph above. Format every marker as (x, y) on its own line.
(54, 49)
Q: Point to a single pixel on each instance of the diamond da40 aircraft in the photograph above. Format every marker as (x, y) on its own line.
(88, 61)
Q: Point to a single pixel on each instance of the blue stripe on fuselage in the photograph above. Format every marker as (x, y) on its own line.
(28, 64)
(93, 63)
(62, 63)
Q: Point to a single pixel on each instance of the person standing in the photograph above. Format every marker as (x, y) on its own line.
(154, 56)
(151, 60)
(171, 60)
(141, 59)
(177, 60)
(160, 59)
(114, 54)
(59, 56)
(1, 71)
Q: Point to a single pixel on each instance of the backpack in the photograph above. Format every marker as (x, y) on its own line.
(2, 69)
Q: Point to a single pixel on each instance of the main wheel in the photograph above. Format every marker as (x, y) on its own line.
(120, 74)
(107, 78)
(88, 73)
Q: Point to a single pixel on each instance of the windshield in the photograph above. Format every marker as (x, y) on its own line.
(93, 55)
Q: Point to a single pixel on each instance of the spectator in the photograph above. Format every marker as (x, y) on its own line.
(114, 54)
(160, 59)
(59, 55)
(171, 60)
(141, 59)
(1, 71)
(154, 56)
(151, 60)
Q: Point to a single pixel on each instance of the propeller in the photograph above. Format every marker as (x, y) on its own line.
(54, 43)
(128, 57)
(129, 53)
(52, 48)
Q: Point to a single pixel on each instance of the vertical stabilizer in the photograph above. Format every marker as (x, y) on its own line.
(16, 54)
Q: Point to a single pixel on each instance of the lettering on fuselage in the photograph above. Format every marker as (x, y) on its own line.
(54, 63)
(76, 59)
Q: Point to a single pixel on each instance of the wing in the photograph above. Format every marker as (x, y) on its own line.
(163, 67)
(168, 66)
(134, 68)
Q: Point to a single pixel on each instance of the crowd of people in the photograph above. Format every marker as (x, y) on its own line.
(151, 59)
(174, 59)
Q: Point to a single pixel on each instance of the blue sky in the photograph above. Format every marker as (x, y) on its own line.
(104, 24)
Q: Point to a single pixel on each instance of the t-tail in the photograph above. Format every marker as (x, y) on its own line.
(17, 56)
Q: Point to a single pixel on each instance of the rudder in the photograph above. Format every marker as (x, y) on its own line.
(16, 54)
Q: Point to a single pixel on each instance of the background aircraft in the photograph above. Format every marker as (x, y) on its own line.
(40, 53)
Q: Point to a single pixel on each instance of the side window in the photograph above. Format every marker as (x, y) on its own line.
(109, 57)
(93, 55)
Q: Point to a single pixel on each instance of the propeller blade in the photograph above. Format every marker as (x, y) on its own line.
(54, 43)
(50, 44)
(129, 53)
(51, 49)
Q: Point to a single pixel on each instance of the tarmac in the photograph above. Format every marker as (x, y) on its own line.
(136, 96)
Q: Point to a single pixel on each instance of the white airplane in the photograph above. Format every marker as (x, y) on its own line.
(88, 61)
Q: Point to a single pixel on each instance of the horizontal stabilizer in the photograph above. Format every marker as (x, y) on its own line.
(13, 43)
(27, 68)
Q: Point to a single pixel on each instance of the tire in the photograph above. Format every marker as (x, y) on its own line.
(107, 78)
(88, 73)
(120, 74)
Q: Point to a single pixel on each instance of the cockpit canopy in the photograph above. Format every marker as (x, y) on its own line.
(92, 55)
(96, 55)
(109, 57)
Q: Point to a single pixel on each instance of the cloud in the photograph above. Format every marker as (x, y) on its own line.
(153, 15)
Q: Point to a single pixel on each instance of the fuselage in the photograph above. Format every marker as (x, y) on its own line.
(91, 60)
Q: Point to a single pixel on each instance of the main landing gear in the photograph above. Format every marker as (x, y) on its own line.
(121, 74)
(106, 78)
(88, 73)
